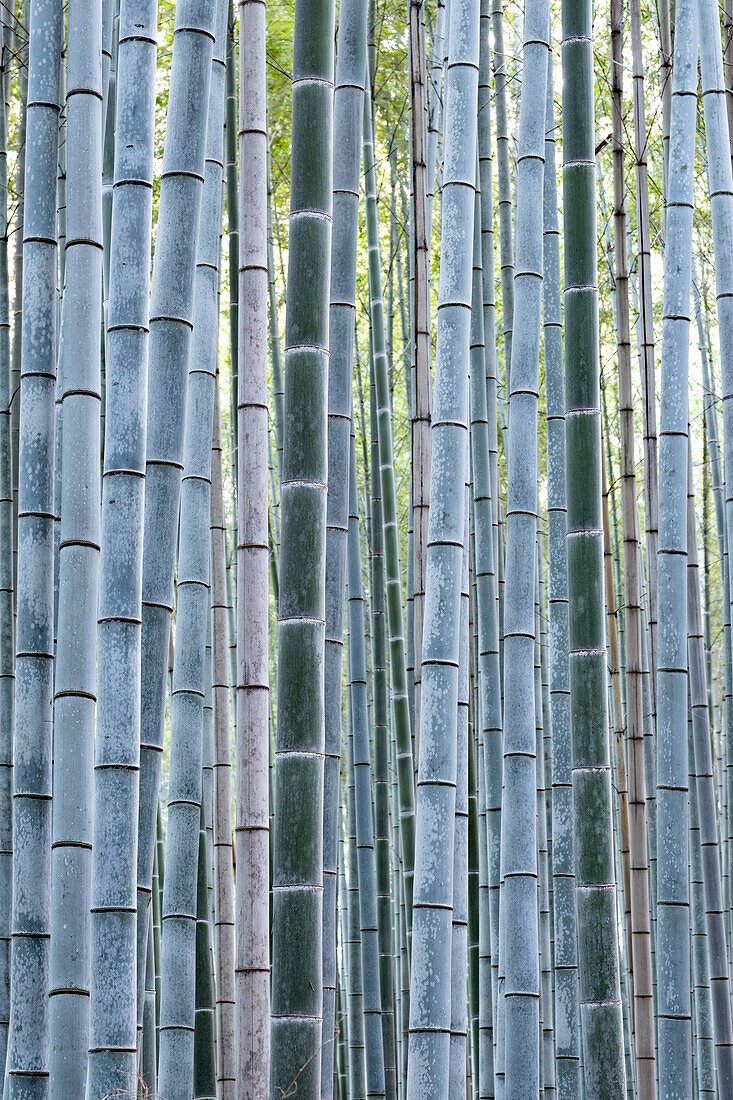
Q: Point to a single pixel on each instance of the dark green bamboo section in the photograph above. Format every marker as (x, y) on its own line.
(595, 888)
(297, 978)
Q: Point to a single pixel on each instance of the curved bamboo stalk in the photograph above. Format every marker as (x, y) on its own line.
(595, 890)
(297, 937)
(190, 684)
(75, 672)
(171, 314)
(673, 915)
(519, 897)
(348, 111)
(113, 1004)
(33, 459)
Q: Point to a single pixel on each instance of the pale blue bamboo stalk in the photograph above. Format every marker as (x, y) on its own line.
(459, 927)
(33, 459)
(348, 107)
(567, 1050)
(506, 245)
(430, 988)
(171, 318)
(486, 999)
(75, 672)
(489, 693)
(702, 1005)
(518, 920)
(720, 187)
(707, 812)
(7, 650)
(435, 108)
(113, 1005)
(673, 916)
(180, 902)
(358, 694)
(547, 1037)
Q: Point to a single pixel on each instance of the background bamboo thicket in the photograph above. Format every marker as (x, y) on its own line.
(366, 493)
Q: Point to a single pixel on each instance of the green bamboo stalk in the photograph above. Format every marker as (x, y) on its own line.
(31, 428)
(171, 316)
(519, 1007)
(204, 1059)
(75, 673)
(113, 1004)
(358, 695)
(149, 1057)
(641, 957)
(393, 570)
(297, 995)
(672, 956)
(387, 898)
(352, 939)
(600, 1004)
(348, 108)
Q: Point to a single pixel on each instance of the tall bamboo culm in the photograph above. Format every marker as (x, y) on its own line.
(641, 960)
(518, 918)
(252, 838)
(348, 112)
(223, 864)
(113, 1004)
(180, 987)
(430, 976)
(297, 883)
(673, 949)
(75, 670)
(171, 320)
(28, 1040)
(595, 889)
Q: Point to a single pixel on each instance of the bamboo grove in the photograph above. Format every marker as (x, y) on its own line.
(366, 603)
